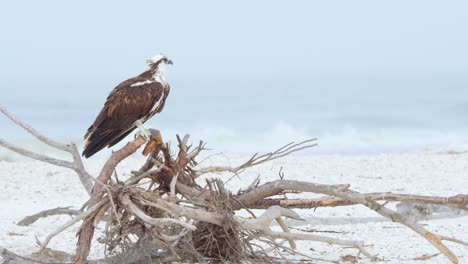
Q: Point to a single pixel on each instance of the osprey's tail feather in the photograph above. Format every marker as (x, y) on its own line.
(99, 139)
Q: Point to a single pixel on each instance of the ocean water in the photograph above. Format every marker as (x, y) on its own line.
(349, 113)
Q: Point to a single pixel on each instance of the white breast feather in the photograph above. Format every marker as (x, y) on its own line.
(160, 74)
(156, 105)
(141, 83)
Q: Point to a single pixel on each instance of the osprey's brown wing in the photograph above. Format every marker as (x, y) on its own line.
(127, 103)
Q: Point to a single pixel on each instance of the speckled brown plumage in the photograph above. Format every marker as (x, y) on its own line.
(138, 98)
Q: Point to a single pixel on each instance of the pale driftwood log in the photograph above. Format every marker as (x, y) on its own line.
(86, 232)
(56, 211)
(459, 201)
(76, 164)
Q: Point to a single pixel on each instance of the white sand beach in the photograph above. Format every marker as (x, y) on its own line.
(28, 187)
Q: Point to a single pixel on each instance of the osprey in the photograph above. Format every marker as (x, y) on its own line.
(128, 106)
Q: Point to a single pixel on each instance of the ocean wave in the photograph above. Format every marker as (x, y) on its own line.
(345, 141)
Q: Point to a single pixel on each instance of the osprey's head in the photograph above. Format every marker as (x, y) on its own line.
(157, 61)
(157, 67)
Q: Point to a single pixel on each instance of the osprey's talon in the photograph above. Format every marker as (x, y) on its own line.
(144, 133)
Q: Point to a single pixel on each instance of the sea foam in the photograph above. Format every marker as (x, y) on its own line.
(345, 141)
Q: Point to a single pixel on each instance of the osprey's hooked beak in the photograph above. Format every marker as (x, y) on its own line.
(169, 62)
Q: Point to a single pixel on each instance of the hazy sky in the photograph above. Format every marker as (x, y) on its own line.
(85, 44)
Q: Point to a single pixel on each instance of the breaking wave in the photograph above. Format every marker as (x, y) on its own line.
(345, 141)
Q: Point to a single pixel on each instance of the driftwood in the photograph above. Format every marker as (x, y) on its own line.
(57, 211)
(76, 164)
(9, 257)
(162, 213)
(458, 201)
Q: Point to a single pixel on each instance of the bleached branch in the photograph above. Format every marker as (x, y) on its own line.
(324, 239)
(285, 229)
(150, 220)
(459, 201)
(34, 132)
(76, 165)
(264, 221)
(454, 240)
(56, 211)
(32, 155)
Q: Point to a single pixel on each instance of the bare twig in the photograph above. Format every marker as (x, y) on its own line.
(56, 211)
(256, 160)
(196, 151)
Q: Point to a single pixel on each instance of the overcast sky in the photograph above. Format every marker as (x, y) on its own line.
(53, 43)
